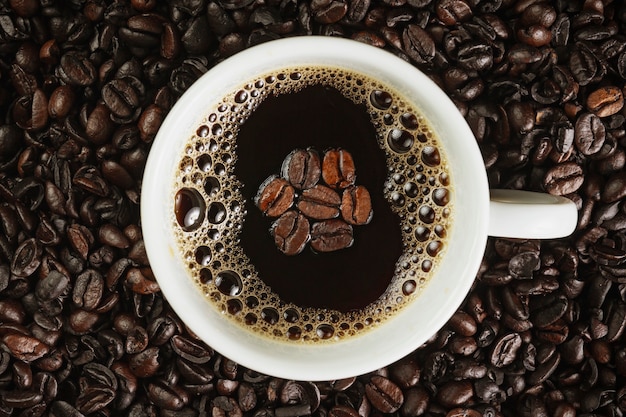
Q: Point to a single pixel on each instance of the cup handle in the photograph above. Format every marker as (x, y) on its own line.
(530, 215)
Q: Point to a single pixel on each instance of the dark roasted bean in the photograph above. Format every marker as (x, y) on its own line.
(77, 70)
(167, 396)
(123, 97)
(590, 133)
(338, 169)
(418, 44)
(563, 179)
(291, 232)
(275, 196)
(146, 363)
(605, 101)
(455, 393)
(191, 350)
(331, 235)
(302, 168)
(384, 395)
(319, 203)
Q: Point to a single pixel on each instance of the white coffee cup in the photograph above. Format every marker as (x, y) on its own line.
(477, 215)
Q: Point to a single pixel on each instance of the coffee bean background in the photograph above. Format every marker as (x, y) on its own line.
(84, 86)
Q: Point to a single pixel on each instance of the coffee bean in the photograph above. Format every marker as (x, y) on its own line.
(505, 350)
(167, 396)
(26, 258)
(563, 179)
(338, 170)
(538, 14)
(455, 393)
(123, 97)
(76, 69)
(451, 12)
(302, 168)
(275, 196)
(24, 347)
(406, 372)
(190, 350)
(142, 31)
(418, 44)
(416, 401)
(227, 407)
(146, 363)
(384, 395)
(291, 232)
(21, 399)
(319, 203)
(328, 11)
(52, 286)
(605, 101)
(615, 188)
(342, 411)
(331, 235)
(590, 133)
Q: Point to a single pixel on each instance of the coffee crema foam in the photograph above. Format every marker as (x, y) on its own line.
(210, 210)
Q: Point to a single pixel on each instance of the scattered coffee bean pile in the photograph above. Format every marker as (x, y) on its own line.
(84, 329)
(313, 185)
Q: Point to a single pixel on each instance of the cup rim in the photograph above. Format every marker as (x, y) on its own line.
(419, 320)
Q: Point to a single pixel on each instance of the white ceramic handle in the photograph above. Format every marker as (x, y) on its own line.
(531, 215)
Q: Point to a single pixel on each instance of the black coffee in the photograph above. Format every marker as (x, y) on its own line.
(311, 296)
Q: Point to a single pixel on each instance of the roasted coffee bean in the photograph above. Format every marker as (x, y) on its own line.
(24, 347)
(11, 311)
(406, 372)
(302, 168)
(61, 102)
(338, 170)
(357, 10)
(416, 401)
(142, 31)
(27, 258)
(167, 396)
(605, 101)
(190, 350)
(52, 286)
(146, 363)
(291, 232)
(21, 399)
(538, 14)
(615, 188)
(549, 311)
(563, 179)
(141, 281)
(331, 235)
(463, 324)
(451, 12)
(76, 69)
(227, 407)
(590, 133)
(123, 97)
(383, 394)
(418, 44)
(505, 350)
(328, 11)
(275, 196)
(319, 203)
(455, 393)
(342, 411)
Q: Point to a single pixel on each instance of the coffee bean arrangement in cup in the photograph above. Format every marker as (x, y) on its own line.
(84, 329)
